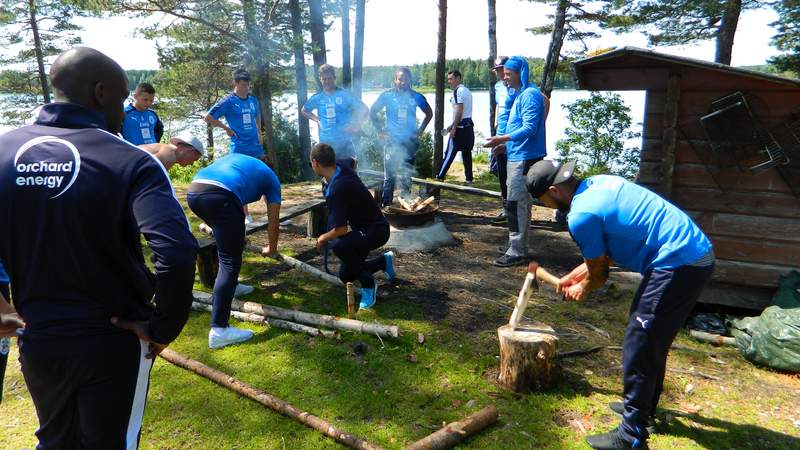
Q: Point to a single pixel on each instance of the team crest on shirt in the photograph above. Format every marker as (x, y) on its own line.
(338, 100)
(152, 120)
(47, 162)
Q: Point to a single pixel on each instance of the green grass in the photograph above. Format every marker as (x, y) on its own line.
(392, 398)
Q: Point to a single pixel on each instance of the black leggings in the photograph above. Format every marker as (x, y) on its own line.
(353, 249)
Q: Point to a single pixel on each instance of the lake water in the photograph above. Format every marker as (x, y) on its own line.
(556, 123)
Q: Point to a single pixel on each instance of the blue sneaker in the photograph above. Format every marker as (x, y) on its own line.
(389, 266)
(367, 298)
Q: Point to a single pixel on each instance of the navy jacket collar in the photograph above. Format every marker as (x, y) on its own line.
(70, 115)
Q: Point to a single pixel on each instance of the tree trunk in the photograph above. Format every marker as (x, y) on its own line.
(210, 141)
(302, 88)
(37, 47)
(317, 37)
(554, 51)
(492, 57)
(441, 49)
(358, 49)
(528, 357)
(346, 75)
(258, 50)
(727, 31)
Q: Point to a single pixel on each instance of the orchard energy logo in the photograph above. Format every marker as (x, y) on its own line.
(58, 162)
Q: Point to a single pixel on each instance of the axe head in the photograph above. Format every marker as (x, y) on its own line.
(533, 266)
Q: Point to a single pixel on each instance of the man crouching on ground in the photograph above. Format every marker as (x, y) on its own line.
(350, 203)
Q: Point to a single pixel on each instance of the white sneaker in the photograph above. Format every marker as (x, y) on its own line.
(221, 337)
(242, 290)
(248, 219)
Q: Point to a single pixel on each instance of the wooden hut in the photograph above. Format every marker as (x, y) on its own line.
(701, 153)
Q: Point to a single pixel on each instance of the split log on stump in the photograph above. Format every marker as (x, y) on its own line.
(455, 432)
(351, 300)
(528, 357)
(277, 323)
(338, 323)
(268, 400)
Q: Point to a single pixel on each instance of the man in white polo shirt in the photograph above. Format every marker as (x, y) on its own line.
(462, 135)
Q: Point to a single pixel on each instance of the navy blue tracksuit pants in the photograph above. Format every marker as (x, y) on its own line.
(463, 142)
(353, 249)
(89, 391)
(222, 211)
(660, 308)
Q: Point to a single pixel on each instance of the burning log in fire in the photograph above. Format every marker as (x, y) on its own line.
(417, 204)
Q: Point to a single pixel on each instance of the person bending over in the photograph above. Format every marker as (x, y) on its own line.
(351, 204)
(183, 150)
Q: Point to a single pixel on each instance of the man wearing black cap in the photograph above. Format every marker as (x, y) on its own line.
(242, 112)
(612, 219)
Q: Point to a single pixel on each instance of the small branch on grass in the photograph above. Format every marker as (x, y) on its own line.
(597, 330)
(268, 400)
(453, 433)
(714, 339)
(696, 373)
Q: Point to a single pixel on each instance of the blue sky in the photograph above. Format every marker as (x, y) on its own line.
(405, 33)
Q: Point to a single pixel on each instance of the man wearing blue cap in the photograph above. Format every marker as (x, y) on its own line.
(524, 138)
(612, 219)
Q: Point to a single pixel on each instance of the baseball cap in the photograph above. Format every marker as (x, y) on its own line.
(241, 74)
(546, 173)
(499, 62)
(188, 139)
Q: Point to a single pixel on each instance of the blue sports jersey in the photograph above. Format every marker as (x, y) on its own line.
(335, 111)
(74, 203)
(3, 275)
(141, 127)
(242, 117)
(526, 126)
(633, 226)
(247, 177)
(401, 112)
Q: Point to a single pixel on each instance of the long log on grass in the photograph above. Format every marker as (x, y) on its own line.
(278, 323)
(268, 400)
(714, 339)
(305, 267)
(452, 434)
(338, 323)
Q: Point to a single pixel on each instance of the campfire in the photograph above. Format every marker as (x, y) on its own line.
(414, 213)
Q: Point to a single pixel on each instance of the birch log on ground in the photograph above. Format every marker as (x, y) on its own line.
(453, 433)
(278, 323)
(338, 323)
(268, 400)
(714, 339)
(297, 264)
(528, 357)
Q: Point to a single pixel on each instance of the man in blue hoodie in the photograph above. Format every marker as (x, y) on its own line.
(524, 138)
(75, 200)
(351, 204)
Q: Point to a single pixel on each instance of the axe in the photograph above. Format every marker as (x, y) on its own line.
(535, 273)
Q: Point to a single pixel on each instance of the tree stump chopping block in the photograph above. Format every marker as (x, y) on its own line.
(528, 357)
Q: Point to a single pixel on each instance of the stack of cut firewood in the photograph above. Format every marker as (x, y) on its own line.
(417, 204)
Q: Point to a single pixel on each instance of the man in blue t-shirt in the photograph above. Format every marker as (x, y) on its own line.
(524, 138)
(217, 195)
(339, 114)
(141, 124)
(351, 205)
(401, 103)
(243, 113)
(612, 219)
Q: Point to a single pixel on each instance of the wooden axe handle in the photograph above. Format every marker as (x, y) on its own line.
(547, 277)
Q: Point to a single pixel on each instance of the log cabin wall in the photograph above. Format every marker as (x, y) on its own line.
(752, 219)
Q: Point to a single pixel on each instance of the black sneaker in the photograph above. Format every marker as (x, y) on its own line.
(510, 261)
(502, 250)
(613, 441)
(500, 220)
(618, 408)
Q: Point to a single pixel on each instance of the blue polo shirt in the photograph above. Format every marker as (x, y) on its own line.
(335, 111)
(633, 226)
(350, 203)
(401, 112)
(526, 126)
(3, 276)
(242, 117)
(246, 177)
(141, 127)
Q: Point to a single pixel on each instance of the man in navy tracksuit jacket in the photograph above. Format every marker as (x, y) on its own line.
(74, 199)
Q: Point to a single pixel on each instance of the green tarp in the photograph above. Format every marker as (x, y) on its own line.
(773, 338)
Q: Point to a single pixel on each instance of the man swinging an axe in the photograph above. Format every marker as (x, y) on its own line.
(611, 218)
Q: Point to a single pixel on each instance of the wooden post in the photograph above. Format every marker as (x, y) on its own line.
(317, 221)
(207, 264)
(351, 300)
(670, 136)
(528, 357)
(268, 400)
(454, 433)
